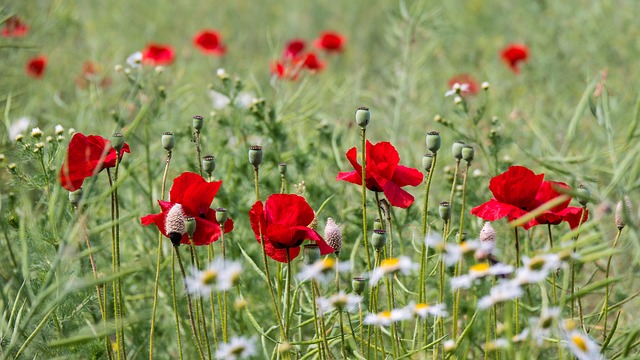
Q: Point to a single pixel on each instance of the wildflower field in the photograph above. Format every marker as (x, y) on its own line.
(367, 179)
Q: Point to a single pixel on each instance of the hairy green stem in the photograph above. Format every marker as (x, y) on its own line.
(363, 160)
(175, 303)
(573, 267)
(607, 289)
(192, 319)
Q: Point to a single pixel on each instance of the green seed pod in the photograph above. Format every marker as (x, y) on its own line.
(379, 239)
(209, 164)
(427, 161)
(311, 254)
(75, 197)
(456, 149)
(363, 116)
(583, 195)
(255, 155)
(198, 122)
(283, 168)
(433, 141)
(221, 216)
(467, 153)
(190, 226)
(358, 285)
(168, 141)
(117, 141)
(377, 225)
(445, 211)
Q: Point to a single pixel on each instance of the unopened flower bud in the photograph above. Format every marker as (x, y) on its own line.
(433, 141)
(255, 155)
(221, 216)
(623, 210)
(190, 226)
(427, 161)
(363, 116)
(284, 347)
(583, 195)
(457, 100)
(12, 167)
(311, 254)
(467, 153)
(75, 197)
(240, 304)
(49, 139)
(118, 68)
(449, 346)
(282, 167)
(209, 164)
(168, 141)
(333, 235)
(59, 130)
(358, 285)
(71, 131)
(18, 138)
(117, 141)
(485, 85)
(487, 238)
(159, 70)
(174, 224)
(445, 211)
(36, 133)
(198, 122)
(379, 239)
(456, 149)
(222, 74)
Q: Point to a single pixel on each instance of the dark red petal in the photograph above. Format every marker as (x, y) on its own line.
(207, 231)
(281, 254)
(572, 215)
(394, 193)
(284, 236)
(404, 176)
(83, 160)
(518, 186)
(158, 219)
(352, 156)
(494, 210)
(324, 247)
(351, 176)
(549, 191)
(382, 159)
(288, 210)
(194, 193)
(256, 217)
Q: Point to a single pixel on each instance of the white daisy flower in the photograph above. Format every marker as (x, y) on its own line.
(582, 346)
(18, 127)
(386, 318)
(236, 348)
(538, 268)
(402, 264)
(449, 345)
(36, 133)
(218, 276)
(434, 241)
(497, 344)
(222, 73)
(479, 271)
(134, 60)
(340, 301)
(457, 88)
(219, 100)
(507, 290)
(323, 270)
(454, 252)
(543, 325)
(423, 310)
(229, 275)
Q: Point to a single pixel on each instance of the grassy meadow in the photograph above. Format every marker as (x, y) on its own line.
(569, 107)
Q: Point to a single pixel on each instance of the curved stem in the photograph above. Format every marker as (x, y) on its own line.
(458, 268)
(189, 306)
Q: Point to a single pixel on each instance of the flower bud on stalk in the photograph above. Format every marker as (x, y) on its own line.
(117, 141)
(168, 141)
(445, 211)
(282, 167)
(221, 216)
(255, 155)
(456, 149)
(198, 122)
(379, 239)
(467, 153)
(75, 197)
(358, 285)
(363, 116)
(433, 141)
(190, 226)
(583, 195)
(175, 224)
(623, 210)
(333, 235)
(209, 164)
(427, 161)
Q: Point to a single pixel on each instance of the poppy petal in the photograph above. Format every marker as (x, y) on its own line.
(517, 186)
(404, 176)
(494, 210)
(288, 210)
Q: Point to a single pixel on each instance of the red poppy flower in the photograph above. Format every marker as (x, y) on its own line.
(14, 27)
(209, 42)
(471, 87)
(87, 156)
(195, 195)
(294, 48)
(330, 41)
(518, 191)
(312, 62)
(513, 55)
(157, 54)
(284, 222)
(36, 66)
(285, 70)
(383, 173)
(91, 73)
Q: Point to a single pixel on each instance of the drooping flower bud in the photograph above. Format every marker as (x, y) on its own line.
(168, 140)
(583, 195)
(190, 226)
(379, 239)
(487, 242)
(358, 285)
(456, 149)
(282, 167)
(445, 211)
(255, 155)
(433, 141)
(363, 116)
(311, 253)
(75, 197)
(221, 216)
(117, 141)
(174, 224)
(198, 122)
(427, 161)
(467, 153)
(209, 164)
(623, 210)
(333, 235)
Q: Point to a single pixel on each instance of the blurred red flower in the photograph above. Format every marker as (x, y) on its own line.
(471, 87)
(284, 223)
(519, 191)
(330, 41)
(87, 156)
(209, 42)
(14, 27)
(36, 66)
(157, 54)
(513, 55)
(294, 48)
(383, 173)
(91, 73)
(195, 195)
(312, 62)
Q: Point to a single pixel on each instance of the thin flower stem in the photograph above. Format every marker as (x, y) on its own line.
(361, 328)
(517, 305)
(283, 183)
(607, 289)
(192, 319)
(214, 329)
(115, 245)
(287, 295)
(453, 183)
(573, 267)
(342, 343)
(202, 322)
(316, 321)
(425, 250)
(196, 135)
(10, 249)
(323, 330)
(553, 273)
(175, 303)
(440, 321)
(119, 280)
(363, 160)
(159, 260)
(458, 268)
(225, 325)
(44, 171)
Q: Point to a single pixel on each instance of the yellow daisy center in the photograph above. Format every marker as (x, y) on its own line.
(579, 342)
(209, 277)
(328, 263)
(386, 314)
(481, 267)
(536, 263)
(422, 306)
(389, 264)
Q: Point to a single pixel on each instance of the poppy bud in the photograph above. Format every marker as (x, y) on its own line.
(467, 153)
(456, 149)
(190, 226)
(117, 141)
(198, 122)
(487, 239)
(283, 168)
(427, 161)
(379, 239)
(623, 210)
(75, 197)
(221, 216)
(333, 235)
(311, 254)
(445, 211)
(209, 164)
(255, 155)
(363, 116)
(358, 285)
(168, 141)
(174, 224)
(433, 141)
(377, 224)
(583, 195)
